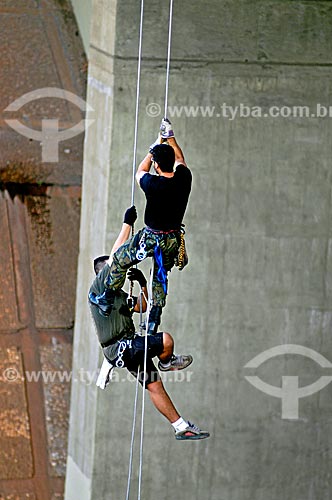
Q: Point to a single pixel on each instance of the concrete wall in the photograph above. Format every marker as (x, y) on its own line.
(259, 238)
(83, 14)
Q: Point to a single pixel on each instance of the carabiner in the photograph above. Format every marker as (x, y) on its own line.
(141, 252)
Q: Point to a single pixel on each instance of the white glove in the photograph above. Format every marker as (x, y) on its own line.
(157, 141)
(166, 130)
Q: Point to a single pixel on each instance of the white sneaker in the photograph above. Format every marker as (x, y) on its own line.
(191, 432)
(178, 362)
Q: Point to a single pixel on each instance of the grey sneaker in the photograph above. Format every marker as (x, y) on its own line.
(191, 432)
(178, 362)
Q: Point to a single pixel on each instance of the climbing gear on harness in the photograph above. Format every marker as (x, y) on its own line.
(122, 347)
(119, 363)
(181, 260)
(177, 362)
(130, 302)
(141, 252)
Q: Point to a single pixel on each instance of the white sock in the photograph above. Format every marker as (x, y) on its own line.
(180, 425)
(166, 365)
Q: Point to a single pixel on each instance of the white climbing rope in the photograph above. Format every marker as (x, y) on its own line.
(130, 468)
(168, 55)
(132, 203)
(143, 398)
(144, 381)
(152, 269)
(138, 84)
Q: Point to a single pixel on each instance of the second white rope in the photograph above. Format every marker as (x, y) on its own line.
(138, 84)
(168, 55)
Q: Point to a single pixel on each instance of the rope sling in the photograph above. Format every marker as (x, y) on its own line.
(152, 269)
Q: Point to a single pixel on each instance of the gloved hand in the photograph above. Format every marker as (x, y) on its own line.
(130, 216)
(135, 274)
(157, 141)
(166, 130)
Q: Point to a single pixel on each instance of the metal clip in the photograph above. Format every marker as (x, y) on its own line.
(141, 252)
(130, 302)
(122, 347)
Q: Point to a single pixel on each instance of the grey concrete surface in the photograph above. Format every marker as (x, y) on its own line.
(258, 235)
(83, 12)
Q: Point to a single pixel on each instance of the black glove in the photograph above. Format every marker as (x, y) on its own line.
(135, 274)
(130, 216)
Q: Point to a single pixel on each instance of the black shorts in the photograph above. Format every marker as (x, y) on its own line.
(133, 357)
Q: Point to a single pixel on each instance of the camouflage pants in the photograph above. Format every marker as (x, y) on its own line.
(125, 257)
